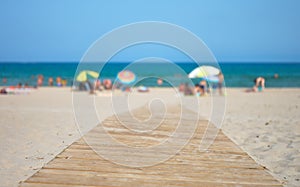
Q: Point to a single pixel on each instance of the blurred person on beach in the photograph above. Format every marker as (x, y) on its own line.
(81, 86)
(107, 84)
(40, 80)
(19, 86)
(198, 91)
(89, 87)
(64, 82)
(187, 89)
(159, 82)
(220, 83)
(126, 89)
(97, 85)
(181, 87)
(26, 85)
(259, 84)
(3, 91)
(117, 85)
(50, 81)
(203, 87)
(58, 81)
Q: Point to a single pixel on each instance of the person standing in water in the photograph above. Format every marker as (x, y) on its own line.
(159, 81)
(58, 82)
(50, 81)
(40, 80)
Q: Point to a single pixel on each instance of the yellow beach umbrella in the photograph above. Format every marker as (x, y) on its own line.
(83, 75)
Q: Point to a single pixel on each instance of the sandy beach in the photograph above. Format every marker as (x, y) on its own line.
(36, 127)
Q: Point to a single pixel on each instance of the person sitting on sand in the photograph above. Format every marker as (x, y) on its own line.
(259, 84)
(198, 90)
(3, 91)
(26, 85)
(187, 89)
(107, 84)
(203, 87)
(181, 87)
(19, 86)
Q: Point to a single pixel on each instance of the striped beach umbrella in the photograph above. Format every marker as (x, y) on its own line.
(126, 77)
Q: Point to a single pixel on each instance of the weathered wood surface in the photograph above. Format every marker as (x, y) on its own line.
(223, 164)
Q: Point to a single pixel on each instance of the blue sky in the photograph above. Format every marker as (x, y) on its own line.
(234, 30)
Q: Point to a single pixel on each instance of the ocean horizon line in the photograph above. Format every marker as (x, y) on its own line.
(127, 62)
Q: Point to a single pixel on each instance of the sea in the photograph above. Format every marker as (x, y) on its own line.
(235, 74)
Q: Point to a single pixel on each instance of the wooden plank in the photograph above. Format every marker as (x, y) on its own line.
(223, 164)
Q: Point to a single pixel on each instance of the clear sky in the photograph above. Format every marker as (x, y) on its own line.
(234, 30)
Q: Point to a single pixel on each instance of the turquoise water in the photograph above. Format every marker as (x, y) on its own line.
(236, 74)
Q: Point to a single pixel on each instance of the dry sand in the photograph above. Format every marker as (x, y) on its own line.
(36, 127)
(267, 126)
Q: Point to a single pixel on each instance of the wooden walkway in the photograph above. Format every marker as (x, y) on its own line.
(223, 164)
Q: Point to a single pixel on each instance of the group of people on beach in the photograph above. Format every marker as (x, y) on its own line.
(203, 87)
(59, 81)
(26, 87)
(97, 84)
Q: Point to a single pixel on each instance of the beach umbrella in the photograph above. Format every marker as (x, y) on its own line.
(204, 71)
(126, 77)
(83, 75)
